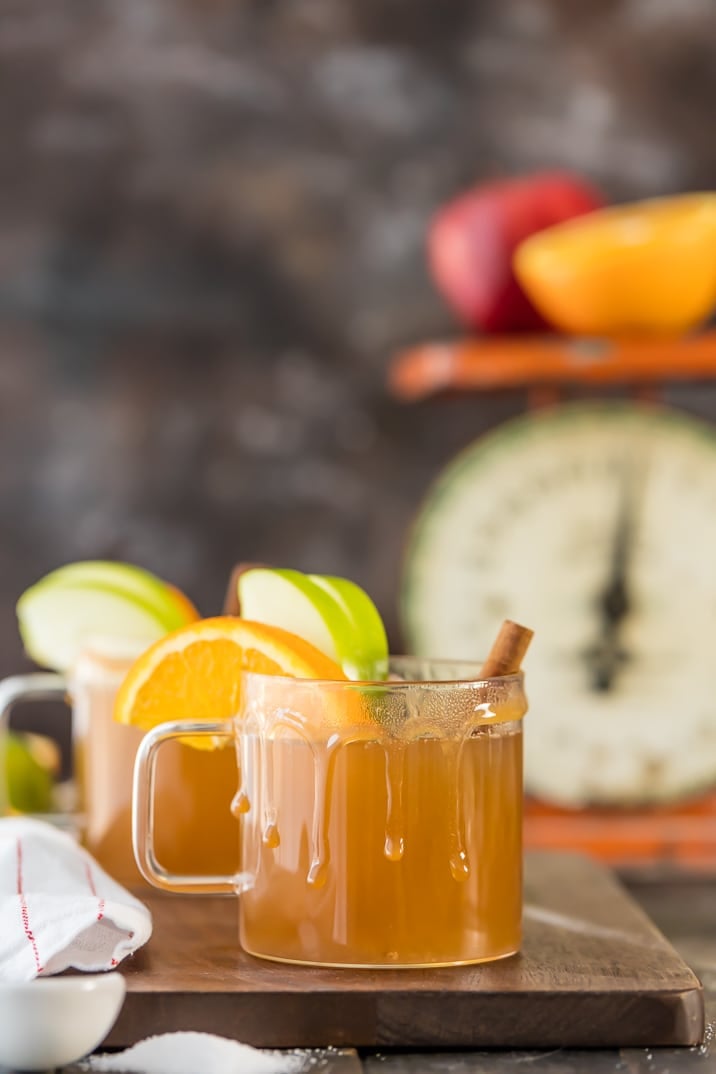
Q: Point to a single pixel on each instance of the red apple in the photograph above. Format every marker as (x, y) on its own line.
(471, 241)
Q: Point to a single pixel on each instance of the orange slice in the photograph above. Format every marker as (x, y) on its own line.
(195, 672)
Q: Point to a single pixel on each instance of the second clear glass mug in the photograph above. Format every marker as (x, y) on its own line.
(381, 824)
(195, 827)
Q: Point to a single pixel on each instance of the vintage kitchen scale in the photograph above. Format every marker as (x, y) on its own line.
(594, 521)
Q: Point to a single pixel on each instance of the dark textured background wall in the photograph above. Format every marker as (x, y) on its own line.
(211, 228)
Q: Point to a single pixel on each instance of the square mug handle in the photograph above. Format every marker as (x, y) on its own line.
(37, 686)
(143, 811)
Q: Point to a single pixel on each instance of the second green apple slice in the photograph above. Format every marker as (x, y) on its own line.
(296, 602)
(370, 644)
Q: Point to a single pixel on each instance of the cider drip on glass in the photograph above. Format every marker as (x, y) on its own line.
(457, 849)
(394, 846)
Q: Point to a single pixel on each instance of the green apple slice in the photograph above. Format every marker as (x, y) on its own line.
(29, 773)
(134, 581)
(297, 602)
(370, 653)
(289, 599)
(57, 619)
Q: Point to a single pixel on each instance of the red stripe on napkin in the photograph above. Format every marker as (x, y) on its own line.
(90, 880)
(93, 889)
(23, 908)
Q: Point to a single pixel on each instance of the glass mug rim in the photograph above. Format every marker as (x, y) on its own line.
(470, 678)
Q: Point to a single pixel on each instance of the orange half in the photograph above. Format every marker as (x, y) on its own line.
(645, 267)
(194, 673)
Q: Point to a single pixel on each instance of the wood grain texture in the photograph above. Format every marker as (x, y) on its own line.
(593, 972)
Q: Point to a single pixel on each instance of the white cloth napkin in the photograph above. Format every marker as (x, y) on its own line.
(58, 908)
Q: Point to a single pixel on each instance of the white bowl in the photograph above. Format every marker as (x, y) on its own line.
(52, 1021)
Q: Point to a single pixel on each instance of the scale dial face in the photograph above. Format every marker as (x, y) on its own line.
(594, 524)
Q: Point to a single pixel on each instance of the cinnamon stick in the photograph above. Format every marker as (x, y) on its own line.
(231, 599)
(508, 650)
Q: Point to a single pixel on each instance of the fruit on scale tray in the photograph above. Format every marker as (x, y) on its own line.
(472, 239)
(645, 267)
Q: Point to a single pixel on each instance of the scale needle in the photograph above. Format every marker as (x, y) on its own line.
(616, 599)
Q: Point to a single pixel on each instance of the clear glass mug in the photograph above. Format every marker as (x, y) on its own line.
(195, 828)
(381, 824)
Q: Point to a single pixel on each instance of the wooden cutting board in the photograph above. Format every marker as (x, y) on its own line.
(593, 972)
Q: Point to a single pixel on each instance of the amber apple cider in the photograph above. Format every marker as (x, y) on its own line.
(194, 829)
(390, 839)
